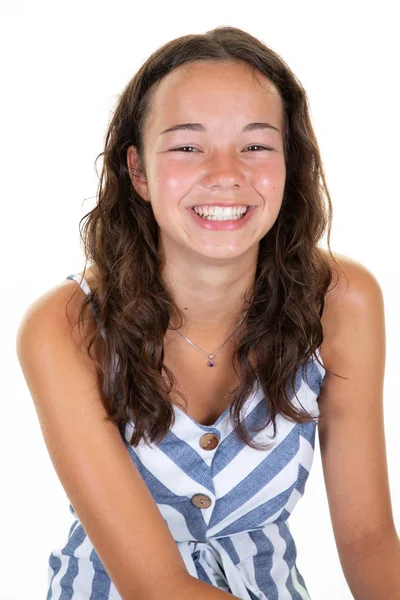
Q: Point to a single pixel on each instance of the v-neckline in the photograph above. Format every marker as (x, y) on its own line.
(213, 426)
(252, 395)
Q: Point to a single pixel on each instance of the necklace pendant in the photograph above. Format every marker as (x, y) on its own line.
(210, 363)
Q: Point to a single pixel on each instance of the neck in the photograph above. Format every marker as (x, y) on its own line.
(211, 299)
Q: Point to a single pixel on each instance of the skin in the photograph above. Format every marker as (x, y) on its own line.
(209, 271)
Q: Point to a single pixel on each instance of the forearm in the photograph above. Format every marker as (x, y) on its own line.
(374, 575)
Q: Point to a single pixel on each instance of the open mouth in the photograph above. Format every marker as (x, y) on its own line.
(222, 215)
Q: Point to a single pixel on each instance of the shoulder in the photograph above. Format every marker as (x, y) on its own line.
(351, 279)
(54, 314)
(353, 300)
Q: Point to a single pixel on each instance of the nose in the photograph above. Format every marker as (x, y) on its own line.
(223, 171)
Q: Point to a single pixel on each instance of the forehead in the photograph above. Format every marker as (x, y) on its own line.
(216, 89)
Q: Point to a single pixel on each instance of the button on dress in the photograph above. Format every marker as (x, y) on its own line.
(225, 504)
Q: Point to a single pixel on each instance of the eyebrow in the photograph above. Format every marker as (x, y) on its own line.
(200, 127)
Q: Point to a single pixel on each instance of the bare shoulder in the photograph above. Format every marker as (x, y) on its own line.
(54, 313)
(353, 297)
(350, 278)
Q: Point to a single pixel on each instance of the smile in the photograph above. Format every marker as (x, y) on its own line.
(219, 213)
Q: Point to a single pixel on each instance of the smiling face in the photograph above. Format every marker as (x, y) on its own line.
(221, 160)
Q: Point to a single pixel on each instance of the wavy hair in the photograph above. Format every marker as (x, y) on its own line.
(133, 306)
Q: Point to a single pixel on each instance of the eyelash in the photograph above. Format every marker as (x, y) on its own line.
(251, 146)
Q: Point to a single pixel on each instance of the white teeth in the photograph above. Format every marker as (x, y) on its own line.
(220, 213)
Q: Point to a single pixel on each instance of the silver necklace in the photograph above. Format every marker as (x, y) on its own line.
(210, 356)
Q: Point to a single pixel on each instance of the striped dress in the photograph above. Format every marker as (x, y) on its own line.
(226, 504)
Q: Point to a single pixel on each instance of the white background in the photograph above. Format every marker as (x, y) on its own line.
(63, 65)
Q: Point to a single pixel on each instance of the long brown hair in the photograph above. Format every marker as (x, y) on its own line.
(131, 303)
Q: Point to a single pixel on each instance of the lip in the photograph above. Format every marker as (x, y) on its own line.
(221, 225)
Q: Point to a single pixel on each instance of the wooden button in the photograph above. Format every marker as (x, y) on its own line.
(209, 441)
(201, 501)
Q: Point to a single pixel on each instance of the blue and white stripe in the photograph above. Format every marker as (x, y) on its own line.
(242, 543)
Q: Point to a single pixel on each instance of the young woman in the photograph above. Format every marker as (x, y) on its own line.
(180, 385)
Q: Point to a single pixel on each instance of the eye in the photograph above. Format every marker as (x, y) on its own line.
(191, 148)
(258, 146)
(182, 148)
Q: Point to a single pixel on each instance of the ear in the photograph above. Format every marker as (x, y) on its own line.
(137, 174)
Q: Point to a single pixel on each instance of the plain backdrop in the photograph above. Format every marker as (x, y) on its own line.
(63, 66)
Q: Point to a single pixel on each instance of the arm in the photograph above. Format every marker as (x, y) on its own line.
(351, 435)
(107, 492)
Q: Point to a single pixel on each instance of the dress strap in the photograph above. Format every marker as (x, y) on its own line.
(81, 281)
(85, 287)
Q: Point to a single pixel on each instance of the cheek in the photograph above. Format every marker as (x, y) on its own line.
(171, 178)
(270, 182)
